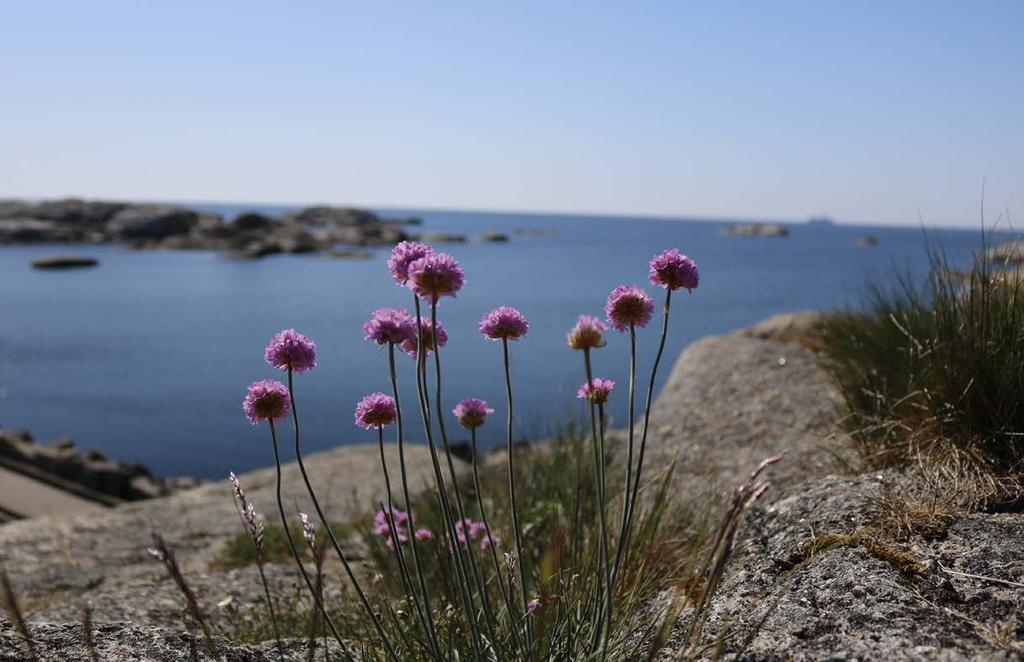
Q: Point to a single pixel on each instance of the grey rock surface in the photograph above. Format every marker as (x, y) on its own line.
(57, 563)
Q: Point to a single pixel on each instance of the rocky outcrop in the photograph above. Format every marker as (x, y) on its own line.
(756, 230)
(89, 474)
(57, 564)
(144, 226)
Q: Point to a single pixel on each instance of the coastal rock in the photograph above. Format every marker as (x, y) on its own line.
(756, 230)
(253, 221)
(107, 563)
(736, 399)
(1010, 252)
(338, 216)
(151, 222)
(18, 230)
(494, 237)
(867, 240)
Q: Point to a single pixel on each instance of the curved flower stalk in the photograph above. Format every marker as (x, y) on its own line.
(431, 276)
(588, 334)
(253, 525)
(293, 352)
(268, 400)
(672, 271)
(505, 324)
(471, 414)
(391, 327)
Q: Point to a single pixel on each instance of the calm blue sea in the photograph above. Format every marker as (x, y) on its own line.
(147, 356)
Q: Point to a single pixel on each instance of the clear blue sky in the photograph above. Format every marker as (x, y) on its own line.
(867, 111)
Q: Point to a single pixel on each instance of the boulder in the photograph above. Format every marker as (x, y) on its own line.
(151, 222)
(253, 221)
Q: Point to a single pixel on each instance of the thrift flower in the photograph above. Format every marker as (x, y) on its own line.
(409, 344)
(375, 411)
(504, 323)
(382, 526)
(533, 605)
(628, 306)
(424, 534)
(266, 400)
(290, 350)
(673, 270)
(587, 334)
(402, 256)
(472, 412)
(434, 276)
(597, 391)
(390, 326)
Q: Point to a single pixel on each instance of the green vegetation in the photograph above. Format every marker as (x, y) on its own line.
(673, 542)
(936, 370)
(239, 552)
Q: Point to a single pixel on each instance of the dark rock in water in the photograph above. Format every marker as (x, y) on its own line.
(756, 230)
(494, 237)
(64, 262)
(442, 238)
(253, 221)
(341, 216)
(867, 240)
(351, 255)
(151, 222)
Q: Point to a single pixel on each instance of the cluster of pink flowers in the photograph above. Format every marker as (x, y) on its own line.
(472, 412)
(290, 350)
(382, 527)
(471, 530)
(427, 330)
(390, 326)
(375, 411)
(596, 391)
(628, 306)
(504, 323)
(673, 271)
(266, 400)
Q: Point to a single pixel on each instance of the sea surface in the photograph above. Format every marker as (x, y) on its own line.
(147, 356)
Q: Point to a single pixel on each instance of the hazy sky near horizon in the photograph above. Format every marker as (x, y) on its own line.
(866, 111)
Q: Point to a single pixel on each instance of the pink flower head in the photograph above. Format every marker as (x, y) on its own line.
(504, 323)
(434, 276)
(488, 540)
(587, 334)
(596, 391)
(409, 344)
(290, 350)
(628, 306)
(266, 400)
(402, 256)
(673, 270)
(390, 326)
(472, 412)
(424, 534)
(375, 411)
(533, 605)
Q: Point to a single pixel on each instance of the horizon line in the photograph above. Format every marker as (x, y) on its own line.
(653, 216)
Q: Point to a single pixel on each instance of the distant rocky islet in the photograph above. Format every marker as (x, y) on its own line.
(318, 229)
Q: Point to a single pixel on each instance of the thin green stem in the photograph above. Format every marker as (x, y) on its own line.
(427, 616)
(385, 640)
(291, 542)
(474, 569)
(604, 576)
(498, 574)
(634, 491)
(442, 492)
(516, 526)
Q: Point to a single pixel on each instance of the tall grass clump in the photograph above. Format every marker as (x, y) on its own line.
(551, 554)
(936, 369)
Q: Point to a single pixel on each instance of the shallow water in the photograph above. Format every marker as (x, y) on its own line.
(147, 356)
